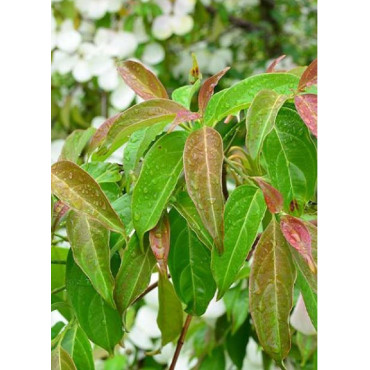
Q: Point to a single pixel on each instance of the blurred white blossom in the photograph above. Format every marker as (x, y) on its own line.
(300, 319)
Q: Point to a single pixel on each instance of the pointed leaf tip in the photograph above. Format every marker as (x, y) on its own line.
(307, 108)
(309, 76)
(274, 63)
(273, 198)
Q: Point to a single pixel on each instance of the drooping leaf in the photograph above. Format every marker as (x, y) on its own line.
(274, 200)
(215, 360)
(203, 158)
(244, 212)
(158, 177)
(77, 344)
(159, 240)
(139, 116)
(101, 323)
(141, 80)
(111, 190)
(271, 292)
(309, 76)
(89, 240)
(75, 187)
(185, 206)
(170, 315)
(307, 108)
(183, 95)
(75, 144)
(61, 360)
(134, 273)
(103, 172)
(274, 63)
(298, 236)
(290, 160)
(189, 263)
(207, 89)
(260, 120)
(59, 212)
(240, 96)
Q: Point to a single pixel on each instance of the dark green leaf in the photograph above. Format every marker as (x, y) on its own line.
(103, 172)
(122, 206)
(215, 360)
(58, 271)
(236, 344)
(60, 360)
(307, 345)
(244, 212)
(189, 262)
(158, 178)
(56, 329)
(111, 190)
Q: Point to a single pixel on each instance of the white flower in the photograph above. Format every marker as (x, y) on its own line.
(56, 148)
(165, 6)
(139, 30)
(81, 71)
(94, 9)
(253, 359)
(122, 96)
(97, 121)
(63, 62)
(68, 39)
(146, 321)
(166, 354)
(109, 80)
(153, 53)
(140, 339)
(215, 309)
(300, 319)
(182, 24)
(182, 7)
(162, 27)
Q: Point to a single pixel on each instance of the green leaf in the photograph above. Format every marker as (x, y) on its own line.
(103, 172)
(215, 360)
(101, 323)
(142, 115)
(260, 120)
(122, 206)
(58, 271)
(118, 362)
(170, 316)
(75, 144)
(189, 263)
(141, 80)
(89, 240)
(236, 344)
(61, 360)
(111, 190)
(271, 292)
(244, 212)
(240, 96)
(185, 206)
(307, 345)
(203, 158)
(75, 187)
(290, 159)
(158, 178)
(77, 344)
(56, 329)
(134, 274)
(183, 95)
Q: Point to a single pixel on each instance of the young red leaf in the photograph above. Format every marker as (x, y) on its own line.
(309, 76)
(298, 236)
(59, 211)
(207, 89)
(307, 108)
(141, 80)
(183, 116)
(275, 62)
(159, 238)
(273, 198)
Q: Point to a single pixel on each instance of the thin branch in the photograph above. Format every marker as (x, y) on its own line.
(57, 290)
(180, 341)
(58, 262)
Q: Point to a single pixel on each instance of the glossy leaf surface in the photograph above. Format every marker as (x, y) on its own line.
(307, 108)
(309, 76)
(61, 360)
(274, 200)
(101, 323)
(185, 206)
(159, 240)
(134, 273)
(122, 206)
(203, 158)
(241, 95)
(141, 80)
(103, 172)
(244, 212)
(139, 116)
(170, 314)
(260, 120)
(189, 263)
(89, 240)
(183, 95)
(271, 292)
(290, 158)
(158, 177)
(78, 346)
(75, 187)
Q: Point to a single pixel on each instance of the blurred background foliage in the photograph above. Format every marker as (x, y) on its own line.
(89, 36)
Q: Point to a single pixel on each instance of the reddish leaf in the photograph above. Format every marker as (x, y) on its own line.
(59, 211)
(159, 238)
(207, 89)
(309, 76)
(298, 236)
(141, 80)
(271, 67)
(183, 116)
(273, 198)
(307, 108)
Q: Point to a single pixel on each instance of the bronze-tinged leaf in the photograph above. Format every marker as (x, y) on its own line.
(159, 239)
(76, 188)
(183, 116)
(271, 292)
(61, 360)
(274, 63)
(309, 76)
(298, 236)
(203, 157)
(307, 108)
(141, 80)
(207, 89)
(59, 211)
(273, 198)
